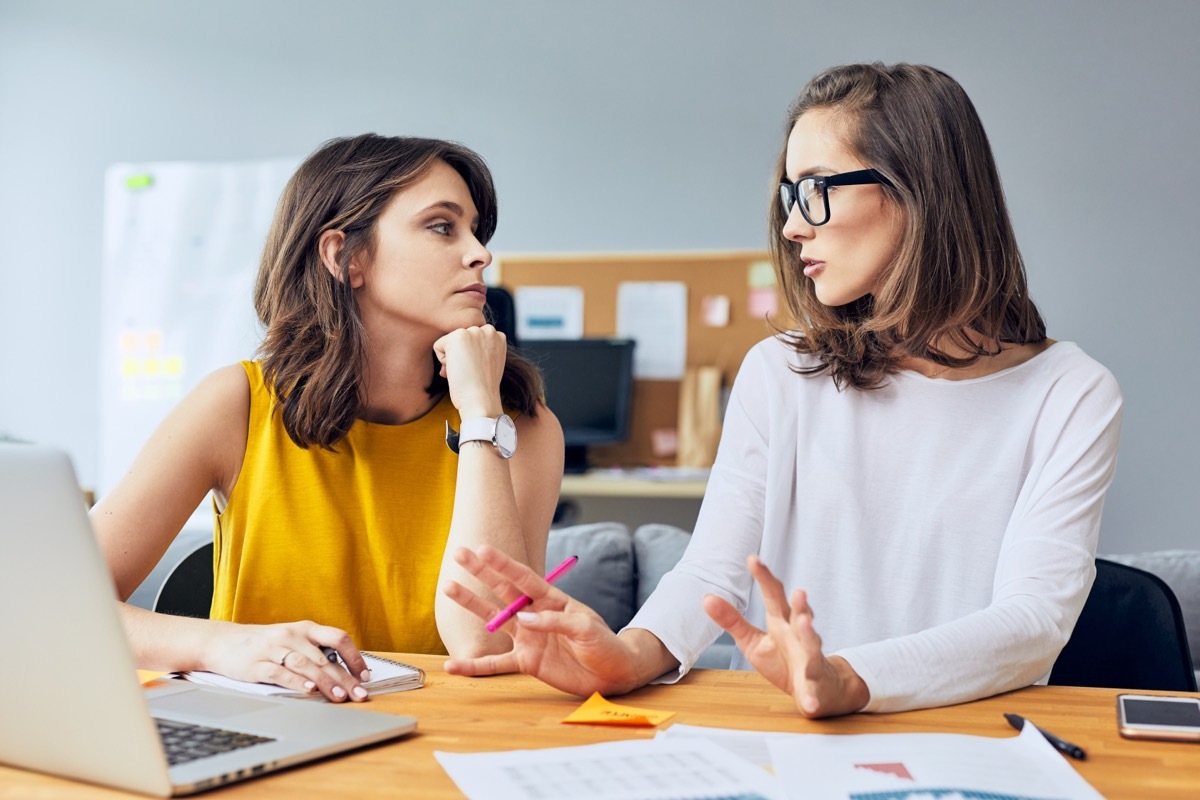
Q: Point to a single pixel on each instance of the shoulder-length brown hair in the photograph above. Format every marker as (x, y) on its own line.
(957, 276)
(313, 350)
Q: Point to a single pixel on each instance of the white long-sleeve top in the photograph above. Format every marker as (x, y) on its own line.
(945, 531)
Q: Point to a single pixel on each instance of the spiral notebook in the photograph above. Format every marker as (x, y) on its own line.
(386, 676)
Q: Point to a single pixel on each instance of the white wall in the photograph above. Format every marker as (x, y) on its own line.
(623, 125)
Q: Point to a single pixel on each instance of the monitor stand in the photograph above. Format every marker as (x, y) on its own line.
(575, 459)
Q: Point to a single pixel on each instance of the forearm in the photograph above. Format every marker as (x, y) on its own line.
(485, 512)
(165, 642)
(1003, 647)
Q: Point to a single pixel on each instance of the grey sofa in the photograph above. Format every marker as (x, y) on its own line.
(618, 570)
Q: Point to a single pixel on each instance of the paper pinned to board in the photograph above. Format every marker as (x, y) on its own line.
(654, 314)
(549, 312)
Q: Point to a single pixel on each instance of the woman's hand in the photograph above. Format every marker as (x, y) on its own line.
(288, 654)
(472, 362)
(788, 653)
(556, 639)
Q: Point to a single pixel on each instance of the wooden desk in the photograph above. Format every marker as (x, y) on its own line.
(509, 712)
(601, 496)
(603, 483)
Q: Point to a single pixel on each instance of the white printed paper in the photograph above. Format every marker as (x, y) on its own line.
(549, 312)
(645, 769)
(928, 766)
(654, 314)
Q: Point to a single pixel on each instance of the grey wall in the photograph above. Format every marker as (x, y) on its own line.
(623, 126)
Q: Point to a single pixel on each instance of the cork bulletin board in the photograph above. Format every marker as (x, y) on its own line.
(739, 276)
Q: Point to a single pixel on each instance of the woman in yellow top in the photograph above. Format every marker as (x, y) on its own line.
(336, 494)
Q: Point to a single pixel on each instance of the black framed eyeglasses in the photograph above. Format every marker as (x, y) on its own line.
(812, 193)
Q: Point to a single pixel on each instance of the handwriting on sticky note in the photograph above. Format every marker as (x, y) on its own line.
(598, 711)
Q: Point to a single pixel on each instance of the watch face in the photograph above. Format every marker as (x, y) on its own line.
(506, 435)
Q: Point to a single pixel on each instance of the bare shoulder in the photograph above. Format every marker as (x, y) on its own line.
(541, 435)
(225, 388)
(543, 424)
(210, 424)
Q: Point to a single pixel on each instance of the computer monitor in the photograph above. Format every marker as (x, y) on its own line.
(589, 387)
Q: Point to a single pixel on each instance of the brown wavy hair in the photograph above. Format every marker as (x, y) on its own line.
(313, 351)
(957, 270)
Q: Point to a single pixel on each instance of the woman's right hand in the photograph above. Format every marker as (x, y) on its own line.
(556, 639)
(288, 654)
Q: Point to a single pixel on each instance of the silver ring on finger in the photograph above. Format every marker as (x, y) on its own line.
(285, 655)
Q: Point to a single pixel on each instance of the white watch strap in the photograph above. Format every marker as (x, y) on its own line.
(480, 429)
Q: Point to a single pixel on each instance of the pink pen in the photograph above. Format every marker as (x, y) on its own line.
(524, 600)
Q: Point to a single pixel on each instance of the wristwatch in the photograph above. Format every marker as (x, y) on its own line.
(501, 432)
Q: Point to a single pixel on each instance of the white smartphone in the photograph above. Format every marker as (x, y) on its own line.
(1143, 716)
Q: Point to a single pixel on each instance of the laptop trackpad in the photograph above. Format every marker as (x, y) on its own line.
(209, 706)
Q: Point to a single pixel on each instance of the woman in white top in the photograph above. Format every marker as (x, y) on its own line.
(916, 460)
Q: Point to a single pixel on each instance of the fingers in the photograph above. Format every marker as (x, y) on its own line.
(497, 664)
(352, 660)
(575, 625)
(811, 677)
(472, 361)
(304, 667)
(505, 577)
(469, 600)
(724, 614)
(484, 342)
(773, 594)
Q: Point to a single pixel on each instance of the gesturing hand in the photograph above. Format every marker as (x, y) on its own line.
(788, 653)
(556, 639)
(289, 654)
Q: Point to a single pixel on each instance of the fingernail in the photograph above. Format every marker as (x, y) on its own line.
(365, 675)
(339, 691)
(527, 616)
(309, 686)
(360, 692)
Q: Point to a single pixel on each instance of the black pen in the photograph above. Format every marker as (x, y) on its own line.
(1061, 745)
(330, 653)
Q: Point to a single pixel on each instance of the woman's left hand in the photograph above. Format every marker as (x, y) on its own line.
(788, 653)
(472, 362)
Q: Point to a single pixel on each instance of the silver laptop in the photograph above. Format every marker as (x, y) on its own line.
(73, 705)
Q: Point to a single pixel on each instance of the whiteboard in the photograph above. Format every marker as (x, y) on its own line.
(182, 242)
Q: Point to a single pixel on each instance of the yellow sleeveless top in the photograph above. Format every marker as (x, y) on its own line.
(352, 538)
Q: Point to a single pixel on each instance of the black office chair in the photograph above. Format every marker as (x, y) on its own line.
(502, 312)
(188, 589)
(1130, 635)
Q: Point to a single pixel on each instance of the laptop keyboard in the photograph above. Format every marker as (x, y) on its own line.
(186, 742)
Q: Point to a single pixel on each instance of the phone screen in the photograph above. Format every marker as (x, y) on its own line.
(1158, 712)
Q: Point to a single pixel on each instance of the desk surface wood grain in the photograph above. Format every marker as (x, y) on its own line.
(515, 712)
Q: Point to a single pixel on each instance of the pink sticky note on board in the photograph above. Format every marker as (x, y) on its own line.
(762, 302)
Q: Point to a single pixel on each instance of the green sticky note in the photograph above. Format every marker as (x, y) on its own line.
(761, 275)
(143, 181)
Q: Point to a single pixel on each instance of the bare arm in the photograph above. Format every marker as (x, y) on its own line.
(199, 448)
(507, 504)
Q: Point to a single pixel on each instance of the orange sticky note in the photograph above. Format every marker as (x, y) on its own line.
(146, 677)
(598, 711)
